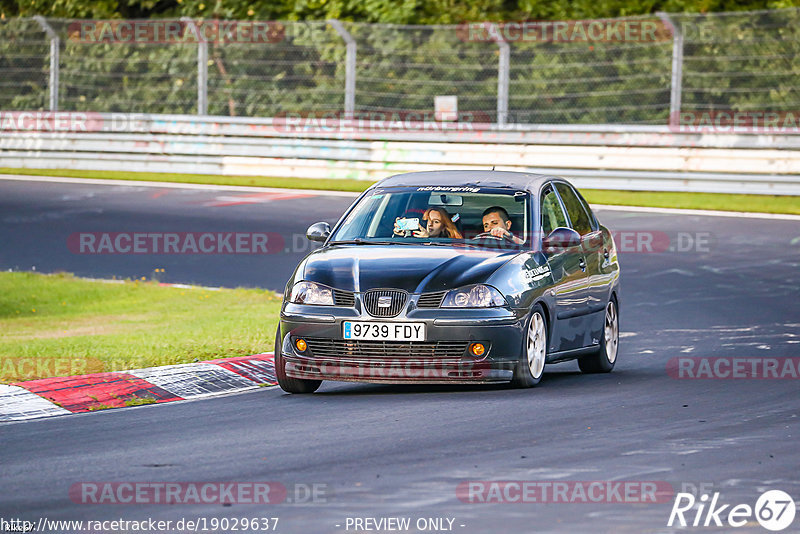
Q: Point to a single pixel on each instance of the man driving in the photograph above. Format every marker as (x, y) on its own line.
(497, 223)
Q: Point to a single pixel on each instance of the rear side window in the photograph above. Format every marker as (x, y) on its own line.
(592, 218)
(581, 222)
(552, 214)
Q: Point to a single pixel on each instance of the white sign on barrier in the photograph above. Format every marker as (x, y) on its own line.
(446, 108)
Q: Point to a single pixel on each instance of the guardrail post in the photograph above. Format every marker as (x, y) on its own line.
(676, 85)
(55, 43)
(202, 68)
(503, 67)
(350, 67)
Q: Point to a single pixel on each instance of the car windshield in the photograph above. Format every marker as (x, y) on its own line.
(439, 215)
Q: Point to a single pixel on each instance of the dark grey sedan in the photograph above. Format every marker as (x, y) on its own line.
(452, 277)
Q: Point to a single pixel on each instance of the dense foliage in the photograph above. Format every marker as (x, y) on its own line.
(384, 11)
(731, 61)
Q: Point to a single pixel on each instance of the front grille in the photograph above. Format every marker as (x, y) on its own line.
(397, 301)
(344, 298)
(431, 300)
(345, 348)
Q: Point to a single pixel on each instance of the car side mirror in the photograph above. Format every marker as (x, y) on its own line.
(318, 232)
(560, 239)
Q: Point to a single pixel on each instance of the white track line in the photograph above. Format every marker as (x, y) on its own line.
(706, 213)
(320, 192)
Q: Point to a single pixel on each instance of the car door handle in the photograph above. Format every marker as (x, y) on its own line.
(582, 264)
(605, 253)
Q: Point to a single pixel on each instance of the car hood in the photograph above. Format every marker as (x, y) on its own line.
(416, 269)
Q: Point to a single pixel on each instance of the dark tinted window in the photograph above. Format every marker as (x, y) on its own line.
(592, 218)
(577, 214)
(552, 214)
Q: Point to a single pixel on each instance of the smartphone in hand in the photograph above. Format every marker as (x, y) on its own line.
(408, 224)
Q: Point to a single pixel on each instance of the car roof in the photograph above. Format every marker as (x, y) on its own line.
(483, 178)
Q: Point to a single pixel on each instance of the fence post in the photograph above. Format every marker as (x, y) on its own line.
(202, 68)
(350, 67)
(676, 85)
(503, 67)
(54, 60)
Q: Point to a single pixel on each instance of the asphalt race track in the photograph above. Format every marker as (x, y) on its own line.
(389, 451)
(39, 218)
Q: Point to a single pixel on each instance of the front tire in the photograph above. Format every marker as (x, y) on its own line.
(604, 359)
(530, 367)
(287, 383)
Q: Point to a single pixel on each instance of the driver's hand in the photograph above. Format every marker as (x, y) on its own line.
(499, 232)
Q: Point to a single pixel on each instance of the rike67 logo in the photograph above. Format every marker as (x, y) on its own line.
(774, 510)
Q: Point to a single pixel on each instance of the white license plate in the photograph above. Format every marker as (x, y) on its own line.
(383, 331)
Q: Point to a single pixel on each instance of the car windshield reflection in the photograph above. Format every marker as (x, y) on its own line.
(451, 216)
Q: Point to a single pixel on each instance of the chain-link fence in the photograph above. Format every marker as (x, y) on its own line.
(570, 73)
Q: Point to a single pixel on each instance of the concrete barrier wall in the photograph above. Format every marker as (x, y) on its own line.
(594, 156)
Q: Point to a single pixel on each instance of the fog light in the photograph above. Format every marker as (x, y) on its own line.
(477, 349)
(301, 345)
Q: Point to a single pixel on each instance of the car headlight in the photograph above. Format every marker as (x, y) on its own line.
(311, 293)
(477, 296)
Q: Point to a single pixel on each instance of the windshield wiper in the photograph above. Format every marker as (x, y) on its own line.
(356, 241)
(359, 241)
(441, 243)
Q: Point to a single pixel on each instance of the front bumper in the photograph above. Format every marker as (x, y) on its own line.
(442, 358)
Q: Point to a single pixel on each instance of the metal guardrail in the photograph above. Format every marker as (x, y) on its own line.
(467, 132)
(594, 156)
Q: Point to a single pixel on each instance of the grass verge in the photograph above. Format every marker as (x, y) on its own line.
(212, 179)
(59, 325)
(697, 201)
(704, 201)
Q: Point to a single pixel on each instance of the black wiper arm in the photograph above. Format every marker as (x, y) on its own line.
(394, 242)
(359, 241)
(356, 241)
(444, 243)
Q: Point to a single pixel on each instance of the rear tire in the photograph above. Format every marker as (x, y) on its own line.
(533, 357)
(604, 359)
(289, 384)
